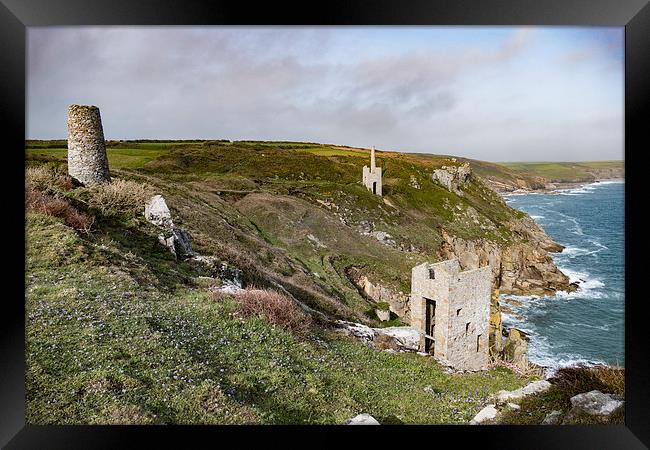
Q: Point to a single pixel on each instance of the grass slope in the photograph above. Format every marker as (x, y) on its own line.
(117, 333)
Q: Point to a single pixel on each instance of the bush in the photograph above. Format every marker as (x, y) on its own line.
(37, 201)
(49, 177)
(579, 379)
(119, 198)
(382, 306)
(275, 307)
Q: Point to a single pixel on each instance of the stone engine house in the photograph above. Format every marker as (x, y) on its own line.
(87, 160)
(451, 309)
(372, 175)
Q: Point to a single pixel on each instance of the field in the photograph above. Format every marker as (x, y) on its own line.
(565, 172)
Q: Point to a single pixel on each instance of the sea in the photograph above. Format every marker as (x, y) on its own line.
(586, 326)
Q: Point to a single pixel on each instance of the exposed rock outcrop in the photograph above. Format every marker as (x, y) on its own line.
(536, 387)
(594, 403)
(452, 177)
(398, 301)
(521, 268)
(516, 348)
(176, 239)
(404, 338)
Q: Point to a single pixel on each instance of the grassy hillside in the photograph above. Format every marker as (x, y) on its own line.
(118, 331)
(567, 171)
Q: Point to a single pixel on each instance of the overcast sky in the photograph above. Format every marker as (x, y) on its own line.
(491, 93)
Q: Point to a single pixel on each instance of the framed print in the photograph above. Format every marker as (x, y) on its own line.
(238, 218)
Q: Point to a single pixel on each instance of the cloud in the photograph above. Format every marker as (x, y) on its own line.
(474, 98)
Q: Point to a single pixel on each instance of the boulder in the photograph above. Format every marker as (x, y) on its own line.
(553, 418)
(157, 212)
(406, 337)
(595, 403)
(535, 387)
(487, 413)
(362, 419)
(383, 315)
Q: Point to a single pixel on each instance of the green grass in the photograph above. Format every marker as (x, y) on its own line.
(118, 158)
(117, 334)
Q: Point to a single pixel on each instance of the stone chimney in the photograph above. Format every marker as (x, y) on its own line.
(87, 160)
(372, 158)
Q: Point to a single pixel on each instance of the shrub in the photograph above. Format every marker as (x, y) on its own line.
(37, 201)
(575, 380)
(275, 307)
(382, 306)
(48, 178)
(119, 198)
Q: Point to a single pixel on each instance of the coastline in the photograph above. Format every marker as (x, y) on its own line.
(555, 188)
(517, 319)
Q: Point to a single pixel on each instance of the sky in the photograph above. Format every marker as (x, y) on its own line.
(490, 93)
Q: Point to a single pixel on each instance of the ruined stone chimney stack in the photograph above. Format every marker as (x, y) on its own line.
(87, 160)
(372, 159)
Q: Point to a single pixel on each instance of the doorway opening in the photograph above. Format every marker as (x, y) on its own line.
(430, 326)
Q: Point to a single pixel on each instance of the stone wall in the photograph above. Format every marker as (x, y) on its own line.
(468, 345)
(87, 160)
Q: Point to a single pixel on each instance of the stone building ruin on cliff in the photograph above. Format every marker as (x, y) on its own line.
(451, 309)
(372, 175)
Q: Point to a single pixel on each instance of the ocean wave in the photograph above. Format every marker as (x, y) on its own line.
(536, 217)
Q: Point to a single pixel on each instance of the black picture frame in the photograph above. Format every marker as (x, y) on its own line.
(16, 15)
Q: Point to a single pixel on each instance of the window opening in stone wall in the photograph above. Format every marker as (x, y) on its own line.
(458, 311)
(478, 342)
(432, 274)
(467, 328)
(374, 187)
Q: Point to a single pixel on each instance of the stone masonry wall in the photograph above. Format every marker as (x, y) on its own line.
(87, 160)
(471, 295)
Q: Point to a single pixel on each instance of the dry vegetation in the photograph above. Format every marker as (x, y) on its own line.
(273, 306)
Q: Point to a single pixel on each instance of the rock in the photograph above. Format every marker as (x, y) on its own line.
(157, 212)
(535, 387)
(357, 330)
(362, 419)
(414, 182)
(487, 413)
(553, 418)
(452, 177)
(513, 406)
(406, 337)
(515, 349)
(182, 243)
(390, 337)
(384, 315)
(594, 403)
(429, 389)
(176, 239)
(398, 301)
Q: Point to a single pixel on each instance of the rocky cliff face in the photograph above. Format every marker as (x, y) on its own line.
(522, 268)
(398, 301)
(452, 177)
